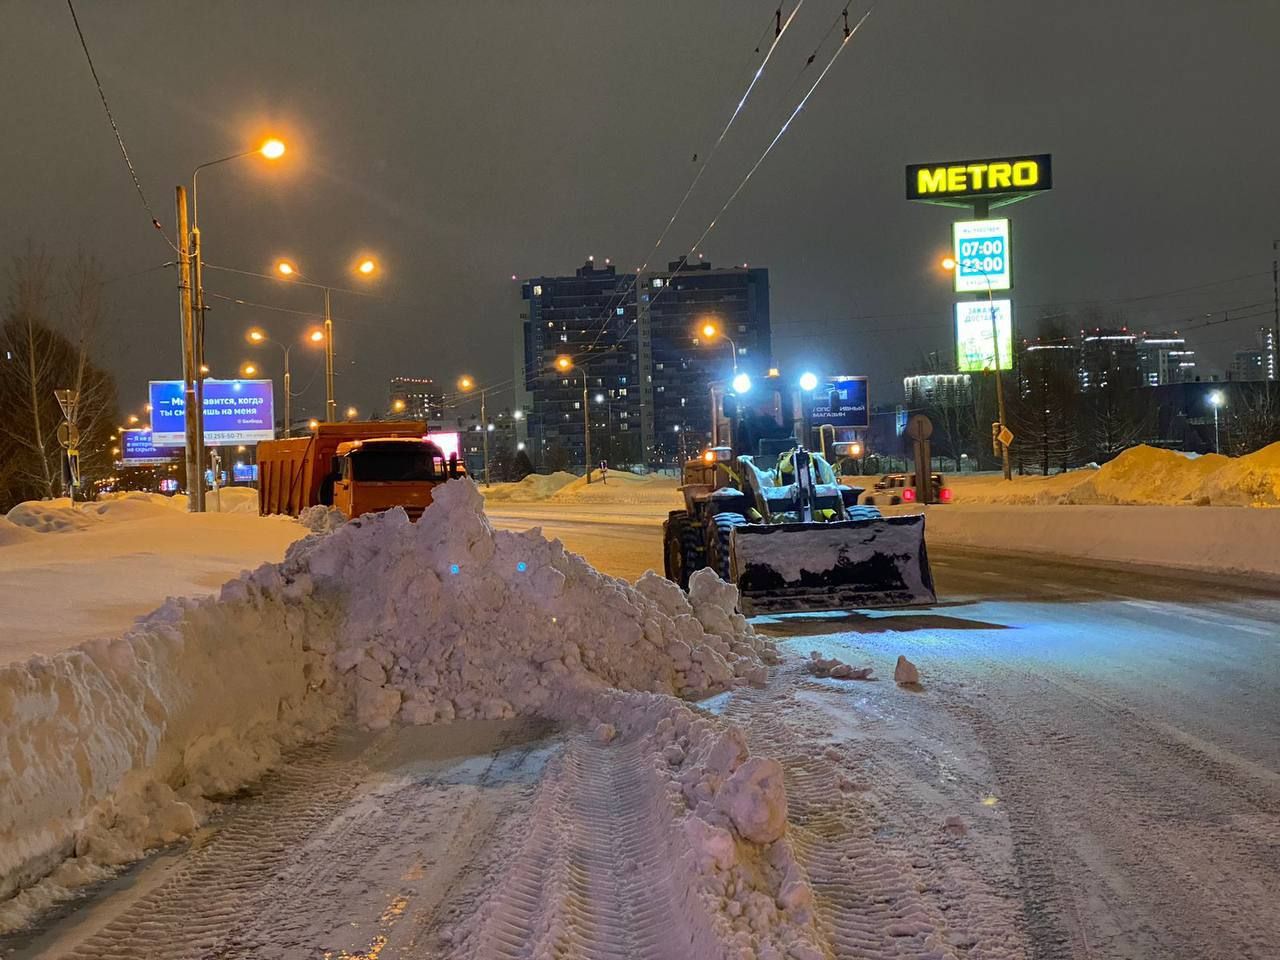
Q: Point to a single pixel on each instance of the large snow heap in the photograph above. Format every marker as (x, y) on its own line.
(118, 745)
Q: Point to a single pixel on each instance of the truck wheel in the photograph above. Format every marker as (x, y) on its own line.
(719, 532)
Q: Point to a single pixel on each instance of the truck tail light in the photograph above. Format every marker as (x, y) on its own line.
(908, 494)
(945, 494)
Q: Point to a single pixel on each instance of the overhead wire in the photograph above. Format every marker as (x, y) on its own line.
(115, 128)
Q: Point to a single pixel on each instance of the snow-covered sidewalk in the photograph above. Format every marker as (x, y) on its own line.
(73, 574)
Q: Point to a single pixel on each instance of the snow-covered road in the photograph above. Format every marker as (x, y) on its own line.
(1091, 769)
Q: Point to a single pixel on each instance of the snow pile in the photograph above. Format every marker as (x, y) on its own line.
(119, 745)
(231, 500)
(321, 519)
(1146, 475)
(50, 516)
(11, 532)
(821, 666)
(536, 486)
(114, 747)
(1253, 480)
(1141, 475)
(449, 618)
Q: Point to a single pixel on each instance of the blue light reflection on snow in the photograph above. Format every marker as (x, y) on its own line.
(454, 568)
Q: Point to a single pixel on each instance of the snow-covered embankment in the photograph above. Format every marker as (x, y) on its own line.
(121, 745)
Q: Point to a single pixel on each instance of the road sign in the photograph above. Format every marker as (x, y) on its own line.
(73, 465)
(68, 434)
(1006, 436)
(66, 400)
(919, 427)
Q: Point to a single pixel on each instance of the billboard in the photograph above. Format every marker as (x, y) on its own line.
(447, 442)
(137, 450)
(959, 182)
(235, 411)
(842, 402)
(981, 251)
(245, 473)
(975, 352)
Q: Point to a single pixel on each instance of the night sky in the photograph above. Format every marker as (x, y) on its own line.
(462, 143)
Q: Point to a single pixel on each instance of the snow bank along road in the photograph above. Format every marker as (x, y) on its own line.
(1092, 768)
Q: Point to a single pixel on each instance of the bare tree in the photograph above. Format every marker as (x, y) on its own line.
(1255, 417)
(47, 337)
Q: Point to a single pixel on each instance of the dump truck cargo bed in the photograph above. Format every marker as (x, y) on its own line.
(838, 565)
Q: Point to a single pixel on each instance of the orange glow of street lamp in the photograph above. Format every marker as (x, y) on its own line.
(397, 405)
(248, 370)
(366, 266)
(466, 383)
(273, 149)
(286, 269)
(709, 330)
(352, 413)
(256, 336)
(133, 418)
(316, 336)
(948, 263)
(564, 363)
(313, 423)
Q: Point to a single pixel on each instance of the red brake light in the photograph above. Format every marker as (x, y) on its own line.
(945, 494)
(908, 494)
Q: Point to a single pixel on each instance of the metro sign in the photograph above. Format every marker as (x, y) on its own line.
(1000, 179)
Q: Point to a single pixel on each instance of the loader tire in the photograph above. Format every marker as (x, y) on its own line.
(680, 548)
(719, 533)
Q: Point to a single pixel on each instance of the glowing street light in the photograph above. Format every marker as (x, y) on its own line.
(288, 270)
(313, 424)
(397, 405)
(273, 149)
(808, 382)
(741, 383)
(133, 418)
(1217, 400)
(467, 383)
(564, 363)
(316, 336)
(352, 413)
(948, 263)
(248, 370)
(710, 331)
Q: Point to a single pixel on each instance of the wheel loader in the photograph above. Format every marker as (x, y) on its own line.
(769, 515)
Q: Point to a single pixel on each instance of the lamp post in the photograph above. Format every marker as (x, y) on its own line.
(608, 423)
(711, 331)
(466, 384)
(191, 265)
(565, 365)
(1216, 400)
(366, 267)
(259, 336)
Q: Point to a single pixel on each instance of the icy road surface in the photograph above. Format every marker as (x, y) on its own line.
(1093, 754)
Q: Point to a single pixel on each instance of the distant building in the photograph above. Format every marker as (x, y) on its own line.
(1164, 358)
(414, 398)
(1256, 363)
(943, 390)
(647, 367)
(675, 383)
(1108, 358)
(1058, 358)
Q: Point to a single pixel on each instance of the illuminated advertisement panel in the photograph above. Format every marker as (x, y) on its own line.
(975, 351)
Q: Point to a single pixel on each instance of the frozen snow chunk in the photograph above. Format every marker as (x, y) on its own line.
(713, 846)
(755, 800)
(605, 732)
(376, 705)
(905, 671)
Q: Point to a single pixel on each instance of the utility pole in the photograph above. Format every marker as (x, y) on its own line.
(484, 426)
(330, 403)
(1275, 294)
(981, 211)
(198, 308)
(190, 370)
(586, 425)
(287, 396)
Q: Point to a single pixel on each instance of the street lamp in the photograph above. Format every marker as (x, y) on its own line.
(710, 331)
(248, 370)
(608, 424)
(1216, 400)
(466, 384)
(352, 413)
(288, 270)
(741, 383)
(259, 336)
(565, 365)
(191, 298)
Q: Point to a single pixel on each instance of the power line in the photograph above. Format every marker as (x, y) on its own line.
(115, 128)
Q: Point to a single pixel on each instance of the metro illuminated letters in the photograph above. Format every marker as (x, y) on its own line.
(979, 178)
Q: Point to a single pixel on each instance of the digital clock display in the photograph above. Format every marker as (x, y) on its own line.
(981, 252)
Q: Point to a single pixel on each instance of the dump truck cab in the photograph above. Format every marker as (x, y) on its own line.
(383, 472)
(772, 517)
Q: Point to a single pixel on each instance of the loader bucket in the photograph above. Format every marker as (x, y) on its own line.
(831, 566)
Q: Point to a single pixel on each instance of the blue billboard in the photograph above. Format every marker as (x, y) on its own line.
(245, 473)
(235, 411)
(842, 402)
(138, 450)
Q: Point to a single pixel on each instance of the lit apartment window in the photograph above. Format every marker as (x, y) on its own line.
(577, 404)
(618, 311)
(657, 281)
(537, 289)
(564, 338)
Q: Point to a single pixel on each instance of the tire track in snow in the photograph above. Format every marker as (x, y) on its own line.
(599, 875)
(866, 819)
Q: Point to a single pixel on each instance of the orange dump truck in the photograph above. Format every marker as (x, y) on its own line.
(355, 467)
